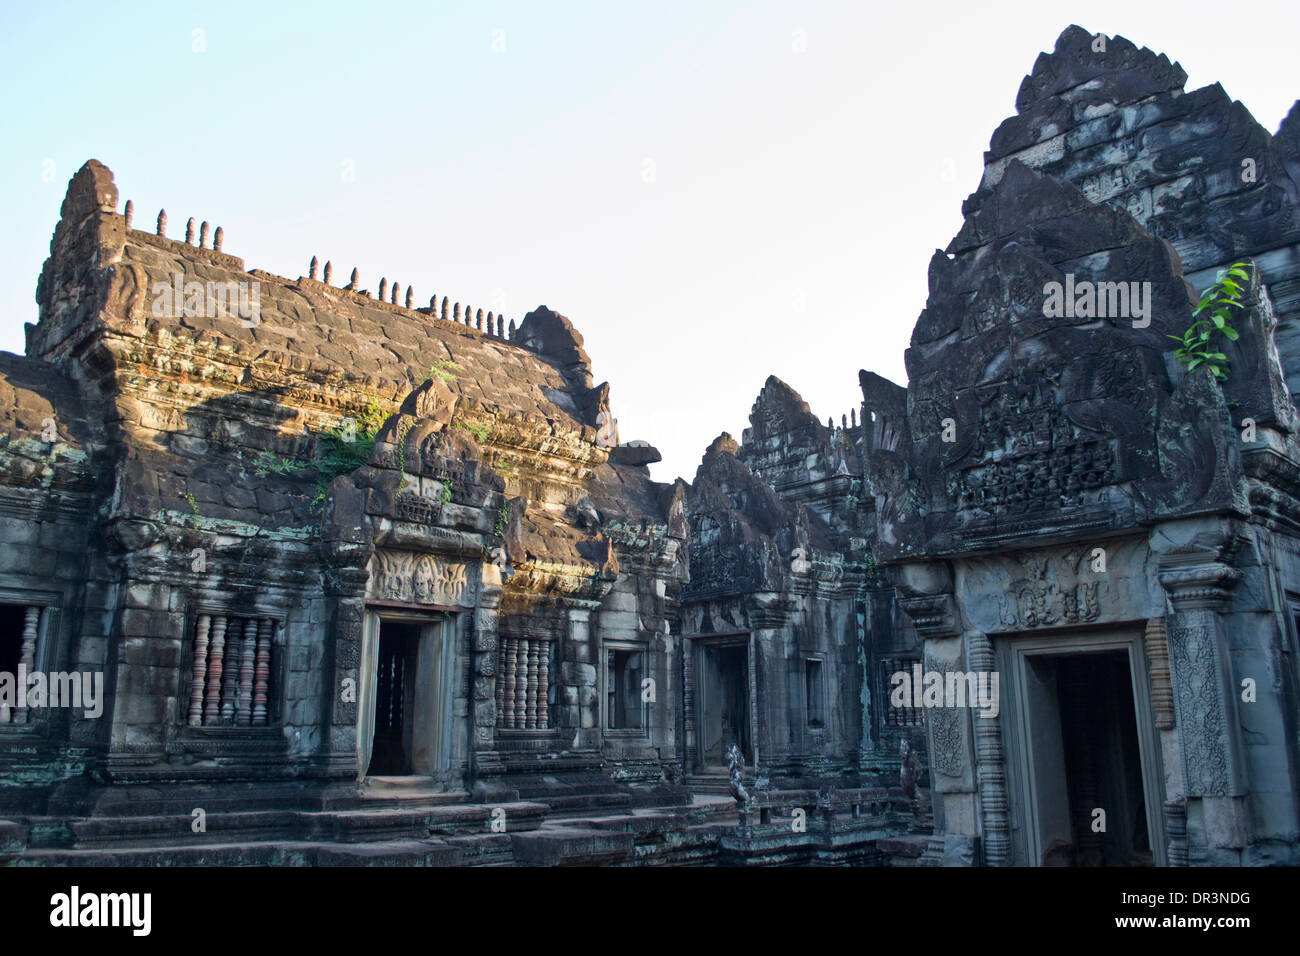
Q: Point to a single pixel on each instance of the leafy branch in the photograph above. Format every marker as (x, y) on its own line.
(1212, 314)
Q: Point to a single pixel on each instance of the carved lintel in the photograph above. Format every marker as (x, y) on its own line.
(934, 615)
(419, 579)
(1162, 693)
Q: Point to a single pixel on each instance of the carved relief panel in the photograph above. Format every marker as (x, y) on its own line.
(411, 578)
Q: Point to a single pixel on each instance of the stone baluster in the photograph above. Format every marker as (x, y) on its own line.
(199, 670)
(992, 775)
(128, 212)
(501, 327)
(410, 295)
(329, 271)
(508, 678)
(203, 234)
(1176, 831)
(247, 666)
(478, 320)
(1162, 693)
(455, 311)
(396, 287)
(512, 330)
(189, 232)
(27, 659)
(444, 308)
(311, 268)
(230, 670)
(262, 671)
(162, 222)
(544, 686)
(217, 238)
(530, 696)
(521, 685)
(490, 325)
(216, 655)
(383, 287)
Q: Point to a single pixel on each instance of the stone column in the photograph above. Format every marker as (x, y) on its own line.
(1198, 584)
(992, 773)
(926, 596)
(768, 614)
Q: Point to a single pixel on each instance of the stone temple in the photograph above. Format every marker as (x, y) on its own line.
(296, 573)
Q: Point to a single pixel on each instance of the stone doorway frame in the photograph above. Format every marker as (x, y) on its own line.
(1012, 653)
(437, 649)
(695, 645)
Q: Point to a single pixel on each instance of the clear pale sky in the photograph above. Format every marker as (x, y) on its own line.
(712, 192)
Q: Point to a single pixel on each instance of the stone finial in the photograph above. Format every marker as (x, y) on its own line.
(501, 327)
(409, 296)
(329, 271)
(383, 287)
(444, 308)
(219, 235)
(844, 421)
(311, 268)
(203, 235)
(128, 212)
(189, 232)
(396, 286)
(162, 222)
(853, 418)
(433, 305)
(478, 320)
(830, 422)
(352, 282)
(512, 330)
(455, 312)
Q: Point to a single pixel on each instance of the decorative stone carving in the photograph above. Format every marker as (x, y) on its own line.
(1051, 590)
(418, 579)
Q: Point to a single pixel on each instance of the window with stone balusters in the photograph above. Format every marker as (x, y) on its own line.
(231, 671)
(904, 716)
(20, 653)
(524, 671)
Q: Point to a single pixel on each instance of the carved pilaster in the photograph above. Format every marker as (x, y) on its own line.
(1198, 585)
(1162, 692)
(992, 774)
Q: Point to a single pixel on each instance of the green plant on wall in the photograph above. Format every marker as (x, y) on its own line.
(1213, 313)
(444, 370)
(194, 507)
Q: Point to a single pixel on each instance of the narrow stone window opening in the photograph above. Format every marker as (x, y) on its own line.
(623, 687)
(813, 692)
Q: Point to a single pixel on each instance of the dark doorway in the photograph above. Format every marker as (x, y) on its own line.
(399, 646)
(1100, 770)
(724, 703)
